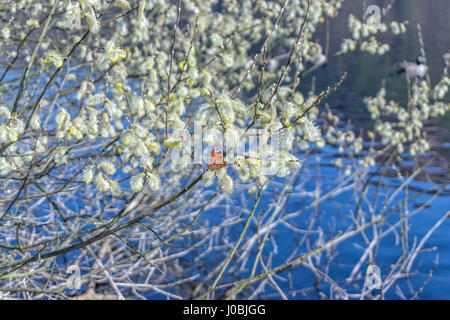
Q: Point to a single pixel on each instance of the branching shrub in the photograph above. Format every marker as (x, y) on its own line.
(95, 174)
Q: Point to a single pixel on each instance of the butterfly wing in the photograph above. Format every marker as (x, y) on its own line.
(217, 161)
(215, 166)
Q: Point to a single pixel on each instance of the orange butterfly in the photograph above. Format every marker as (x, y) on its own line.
(217, 161)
